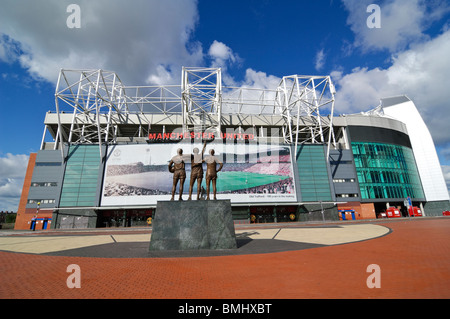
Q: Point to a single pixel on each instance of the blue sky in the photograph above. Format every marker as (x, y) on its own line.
(256, 42)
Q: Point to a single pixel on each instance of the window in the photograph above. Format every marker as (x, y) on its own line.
(344, 180)
(48, 164)
(44, 184)
(341, 162)
(346, 195)
(42, 201)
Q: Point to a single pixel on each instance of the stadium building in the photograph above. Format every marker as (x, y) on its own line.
(103, 159)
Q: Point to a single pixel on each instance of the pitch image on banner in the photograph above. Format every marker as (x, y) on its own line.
(139, 175)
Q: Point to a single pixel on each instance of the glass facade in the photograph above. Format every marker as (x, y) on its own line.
(81, 176)
(386, 171)
(313, 173)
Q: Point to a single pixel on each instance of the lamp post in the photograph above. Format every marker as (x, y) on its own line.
(321, 209)
(35, 218)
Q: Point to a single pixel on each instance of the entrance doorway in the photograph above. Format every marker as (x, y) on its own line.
(124, 218)
(272, 214)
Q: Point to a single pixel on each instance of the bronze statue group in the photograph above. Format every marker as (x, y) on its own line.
(177, 167)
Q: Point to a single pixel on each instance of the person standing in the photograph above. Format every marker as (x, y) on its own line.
(196, 171)
(211, 173)
(177, 167)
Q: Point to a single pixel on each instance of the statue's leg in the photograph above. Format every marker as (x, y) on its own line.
(191, 186)
(174, 187)
(181, 188)
(214, 188)
(199, 187)
(208, 181)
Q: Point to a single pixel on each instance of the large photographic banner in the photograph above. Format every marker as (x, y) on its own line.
(138, 174)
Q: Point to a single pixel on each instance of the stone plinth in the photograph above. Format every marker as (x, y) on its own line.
(193, 225)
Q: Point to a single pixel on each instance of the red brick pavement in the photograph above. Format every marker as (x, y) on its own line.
(414, 261)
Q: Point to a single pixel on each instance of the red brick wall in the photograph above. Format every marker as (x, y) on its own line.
(368, 211)
(362, 210)
(23, 215)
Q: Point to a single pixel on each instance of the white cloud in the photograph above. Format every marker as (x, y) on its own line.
(402, 22)
(253, 85)
(13, 166)
(12, 174)
(260, 80)
(320, 60)
(9, 49)
(420, 72)
(134, 38)
(221, 53)
(10, 187)
(222, 56)
(161, 76)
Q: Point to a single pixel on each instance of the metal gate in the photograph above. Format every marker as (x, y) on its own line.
(70, 222)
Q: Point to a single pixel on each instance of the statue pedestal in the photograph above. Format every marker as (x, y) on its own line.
(193, 225)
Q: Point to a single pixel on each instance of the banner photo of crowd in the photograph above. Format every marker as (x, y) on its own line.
(139, 174)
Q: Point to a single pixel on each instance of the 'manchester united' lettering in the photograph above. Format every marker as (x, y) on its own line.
(199, 135)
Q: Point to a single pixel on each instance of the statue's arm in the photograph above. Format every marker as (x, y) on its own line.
(220, 164)
(204, 148)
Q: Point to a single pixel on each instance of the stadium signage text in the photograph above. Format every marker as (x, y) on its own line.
(198, 135)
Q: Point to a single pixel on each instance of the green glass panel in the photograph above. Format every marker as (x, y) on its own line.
(81, 176)
(313, 173)
(386, 171)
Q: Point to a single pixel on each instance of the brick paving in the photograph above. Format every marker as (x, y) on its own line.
(414, 260)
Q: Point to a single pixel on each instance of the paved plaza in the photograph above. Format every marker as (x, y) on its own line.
(272, 261)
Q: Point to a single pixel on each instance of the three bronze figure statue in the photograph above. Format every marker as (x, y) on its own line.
(177, 167)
